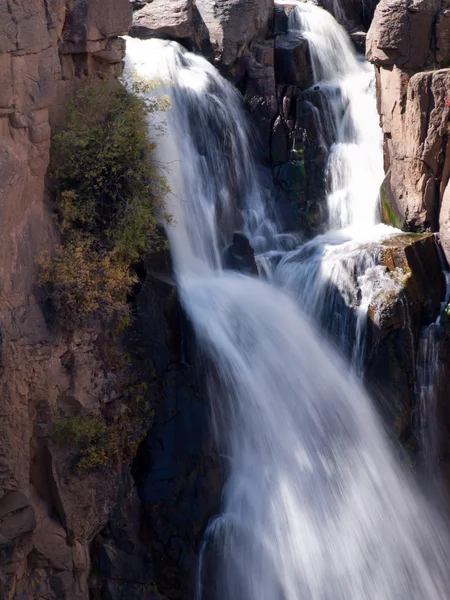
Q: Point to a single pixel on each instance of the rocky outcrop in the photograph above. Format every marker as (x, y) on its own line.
(222, 29)
(409, 44)
(229, 26)
(408, 298)
(352, 14)
(401, 33)
(415, 122)
(166, 19)
(47, 518)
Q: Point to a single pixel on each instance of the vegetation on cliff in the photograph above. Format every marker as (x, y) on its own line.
(97, 442)
(108, 194)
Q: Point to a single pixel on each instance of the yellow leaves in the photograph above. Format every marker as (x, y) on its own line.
(86, 282)
(108, 195)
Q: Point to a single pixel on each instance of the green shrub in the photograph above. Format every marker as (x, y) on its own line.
(98, 443)
(108, 195)
(87, 281)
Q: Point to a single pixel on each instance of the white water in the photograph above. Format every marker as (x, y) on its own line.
(355, 168)
(427, 377)
(207, 133)
(315, 506)
(335, 276)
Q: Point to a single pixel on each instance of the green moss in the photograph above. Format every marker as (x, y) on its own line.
(388, 213)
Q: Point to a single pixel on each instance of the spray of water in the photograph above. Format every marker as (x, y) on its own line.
(315, 505)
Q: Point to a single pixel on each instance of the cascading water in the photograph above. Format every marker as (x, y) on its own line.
(200, 128)
(346, 82)
(315, 505)
(336, 275)
(429, 381)
(427, 377)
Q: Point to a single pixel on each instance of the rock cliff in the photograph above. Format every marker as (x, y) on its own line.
(409, 43)
(65, 536)
(47, 517)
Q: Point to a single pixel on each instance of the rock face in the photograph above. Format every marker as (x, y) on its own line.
(232, 24)
(401, 32)
(167, 19)
(222, 29)
(352, 14)
(408, 300)
(47, 520)
(409, 44)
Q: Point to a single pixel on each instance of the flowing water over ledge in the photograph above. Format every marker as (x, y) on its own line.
(315, 505)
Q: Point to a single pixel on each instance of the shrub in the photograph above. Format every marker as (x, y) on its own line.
(109, 193)
(87, 281)
(100, 444)
(89, 435)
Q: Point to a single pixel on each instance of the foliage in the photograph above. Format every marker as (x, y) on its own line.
(109, 193)
(87, 281)
(100, 444)
(89, 435)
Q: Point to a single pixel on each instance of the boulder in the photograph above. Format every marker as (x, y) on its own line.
(222, 30)
(17, 518)
(230, 25)
(293, 62)
(401, 32)
(359, 41)
(414, 117)
(167, 19)
(240, 256)
(408, 299)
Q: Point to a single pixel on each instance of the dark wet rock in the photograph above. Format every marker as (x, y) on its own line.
(123, 567)
(179, 482)
(257, 81)
(397, 314)
(281, 18)
(359, 41)
(293, 62)
(351, 14)
(240, 256)
(299, 155)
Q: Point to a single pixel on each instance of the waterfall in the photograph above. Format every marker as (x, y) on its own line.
(427, 381)
(355, 168)
(336, 276)
(315, 505)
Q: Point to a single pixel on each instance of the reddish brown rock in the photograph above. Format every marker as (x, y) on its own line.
(414, 117)
(401, 32)
(44, 51)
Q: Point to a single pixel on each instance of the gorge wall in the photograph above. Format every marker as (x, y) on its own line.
(107, 533)
(47, 516)
(409, 44)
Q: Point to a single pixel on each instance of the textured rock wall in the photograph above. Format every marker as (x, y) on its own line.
(47, 517)
(409, 43)
(221, 30)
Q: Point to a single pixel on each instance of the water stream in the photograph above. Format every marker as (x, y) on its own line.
(315, 506)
